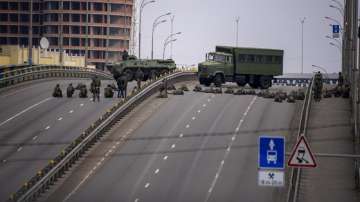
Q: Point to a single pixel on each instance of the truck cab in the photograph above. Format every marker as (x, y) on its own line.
(218, 68)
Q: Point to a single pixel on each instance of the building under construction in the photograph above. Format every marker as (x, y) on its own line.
(98, 29)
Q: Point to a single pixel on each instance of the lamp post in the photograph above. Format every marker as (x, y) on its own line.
(341, 10)
(167, 43)
(155, 24)
(302, 21)
(334, 20)
(337, 46)
(172, 31)
(321, 68)
(167, 40)
(237, 31)
(143, 4)
(334, 39)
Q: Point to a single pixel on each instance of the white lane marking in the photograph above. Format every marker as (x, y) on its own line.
(147, 185)
(181, 135)
(34, 138)
(136, 200)
(25, 110)
(204, 105)
(81, 105)
(19, 149)
(4, 161)
(233, 138)
(237, 129)
(193, 118)
(157, 171)
(220, 168)
(60, 118)
(165, 157)
(47, 128)
(71, 111)
(187, 126)
(199, 111)
(77, 187)
(173, 146)
(209, 100)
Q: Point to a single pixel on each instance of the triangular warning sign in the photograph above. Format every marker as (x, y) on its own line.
(302, 156)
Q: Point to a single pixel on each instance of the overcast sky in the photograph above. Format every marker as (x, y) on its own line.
(263, 23)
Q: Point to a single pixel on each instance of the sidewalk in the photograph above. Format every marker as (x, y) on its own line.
(330, 132)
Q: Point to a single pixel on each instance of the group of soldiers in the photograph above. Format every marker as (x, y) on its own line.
(95, 85)
(341, 89)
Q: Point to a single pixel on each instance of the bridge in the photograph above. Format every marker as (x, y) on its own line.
(199, 146)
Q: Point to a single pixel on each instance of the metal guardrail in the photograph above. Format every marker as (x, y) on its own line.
(13, 77)
(295, 176)
(57, 167)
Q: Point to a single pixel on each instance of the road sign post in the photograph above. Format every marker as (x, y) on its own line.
(301, 155)
(271, 152)
(336, 31)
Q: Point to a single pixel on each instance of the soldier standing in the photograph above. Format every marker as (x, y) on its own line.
(125, 55)
(340, 80)
(70, 90)
(122, 86)
(139, 77)
(95, 88)
(318, 85)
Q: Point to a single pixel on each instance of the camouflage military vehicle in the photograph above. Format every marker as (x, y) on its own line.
(253, 66)
(150, 68)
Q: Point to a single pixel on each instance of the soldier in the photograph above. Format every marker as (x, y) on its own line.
(139, 77)
(83, 91)
(57, 91)
(340, 80)
(70, 90)
(163, 89)
(108, 92)
(122, 86)
(318, 85)
(95, 88)
(125, 55)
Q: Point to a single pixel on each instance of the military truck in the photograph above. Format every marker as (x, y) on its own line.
(150, 68)
(253, 66)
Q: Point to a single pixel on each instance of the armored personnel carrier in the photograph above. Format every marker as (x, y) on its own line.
(150, 68)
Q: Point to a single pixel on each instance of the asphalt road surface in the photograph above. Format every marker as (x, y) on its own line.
(35, 127)
(196, 147)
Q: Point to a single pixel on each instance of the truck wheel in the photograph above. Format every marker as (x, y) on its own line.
(265, 82)
(218, 80)
(129, 74)
(241, 83)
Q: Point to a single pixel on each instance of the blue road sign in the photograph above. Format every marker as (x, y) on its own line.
(271, 152)
(336, 29)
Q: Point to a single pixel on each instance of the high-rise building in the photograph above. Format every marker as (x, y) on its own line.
(99, 29)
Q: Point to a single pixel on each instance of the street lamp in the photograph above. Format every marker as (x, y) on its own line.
(167, 43)
(341, 10)
(337, 46)
(334, 39)
(321, 68)
(302, 21)
(332, 19)
(143, 4)
(155, 24)
(237, 31)
(338, 3)
(167, 39)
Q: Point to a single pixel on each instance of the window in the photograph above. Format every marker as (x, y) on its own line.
(66, 5)
(24, 30)
(251, 58)
(268, 59)
(66, 18)
(278, 60)
(4, 17)
(258, 58)
(66, 29)
(24, 18)
(75, 18)
(3, 5)
(3, 29)
(241, 58)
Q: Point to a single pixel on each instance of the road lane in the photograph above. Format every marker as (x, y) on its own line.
(37, 131)
(176, 154)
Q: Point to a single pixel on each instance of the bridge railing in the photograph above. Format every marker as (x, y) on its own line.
(13, 77)
(39, 183)
(295, 173)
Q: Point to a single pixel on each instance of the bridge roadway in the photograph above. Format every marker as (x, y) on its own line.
(196, 147)
(35, 127)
